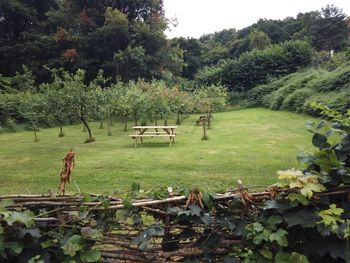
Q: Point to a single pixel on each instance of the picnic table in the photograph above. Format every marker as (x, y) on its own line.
(154, 131)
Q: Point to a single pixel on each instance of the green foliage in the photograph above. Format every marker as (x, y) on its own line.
(255, 67)
(297, 91)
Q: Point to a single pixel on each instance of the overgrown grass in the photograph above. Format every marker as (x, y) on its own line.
(251, 145)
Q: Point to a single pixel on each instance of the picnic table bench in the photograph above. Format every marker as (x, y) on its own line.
(154, 131)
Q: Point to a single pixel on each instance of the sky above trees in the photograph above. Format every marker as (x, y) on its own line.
(198, 17)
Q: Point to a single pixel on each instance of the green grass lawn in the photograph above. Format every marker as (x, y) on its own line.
(251, 145)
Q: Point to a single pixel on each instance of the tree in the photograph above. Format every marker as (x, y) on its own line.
(258, 39)
(81, 97)
(330, 29)
(31, 106)
(58, 110)
(208, 100)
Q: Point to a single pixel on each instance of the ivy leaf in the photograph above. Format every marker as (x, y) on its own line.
(295, 197)
(15, 247)
(320, 141)
(309, 188)
(88, 232)
(91, 256)
(47, 243)
(26, 217)
(266, 253)
(304, 218)
(283, 257)
(305, 158)
(280, 237)
(142, 241)
(5, 203)
(272, 221)
(73, 245)
(331, 217)
(263, 236)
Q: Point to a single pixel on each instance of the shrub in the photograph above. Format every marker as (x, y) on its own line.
(257, 66)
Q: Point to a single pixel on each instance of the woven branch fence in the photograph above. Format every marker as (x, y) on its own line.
(117, 244)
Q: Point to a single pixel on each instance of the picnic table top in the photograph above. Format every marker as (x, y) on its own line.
(154, 127)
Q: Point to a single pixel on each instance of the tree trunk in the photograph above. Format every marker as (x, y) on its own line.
(205, 137)
(36, 139)
(109, 125)
(61, 134)
(101, 125)
(88, 130)
(178, 121)
(135, 119)
(125, 123)
(110, 119)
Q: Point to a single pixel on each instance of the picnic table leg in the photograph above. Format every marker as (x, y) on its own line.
(141, 139)
(169, 141)
(135, 142)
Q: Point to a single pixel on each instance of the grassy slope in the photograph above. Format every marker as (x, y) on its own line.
(249, 144)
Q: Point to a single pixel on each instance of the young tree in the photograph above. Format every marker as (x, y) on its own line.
(31, 106)
(81, 97)
(208, 100)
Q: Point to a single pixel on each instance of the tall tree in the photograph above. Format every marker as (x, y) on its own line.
(330, 29)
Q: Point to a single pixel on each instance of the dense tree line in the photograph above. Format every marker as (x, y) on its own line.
(124, 38)
(324, 30)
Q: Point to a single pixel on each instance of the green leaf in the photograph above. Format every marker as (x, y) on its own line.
(309, 188)
(272, 221)
(305, 218)
(320, 141)
(88, 232)
(47, 243)
(26, 217)
(15, 247)
(266, 253)
(73, 245)
(91, 256)
(296, 257)
(280, 237)
(295, 197)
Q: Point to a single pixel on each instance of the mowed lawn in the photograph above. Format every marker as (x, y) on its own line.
(250, 144)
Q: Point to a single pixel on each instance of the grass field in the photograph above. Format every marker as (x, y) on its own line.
(251, 145)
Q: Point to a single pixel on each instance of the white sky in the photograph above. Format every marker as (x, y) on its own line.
(198, 17)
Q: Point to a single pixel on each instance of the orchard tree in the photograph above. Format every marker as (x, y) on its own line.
(123, 106)
(158, 98)
(137, 101)
(100, 84)
(58, 110)
(208, 100)
(180, 103)
(31, 107)
(81, 97)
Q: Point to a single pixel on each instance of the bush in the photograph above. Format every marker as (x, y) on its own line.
(257, 66)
